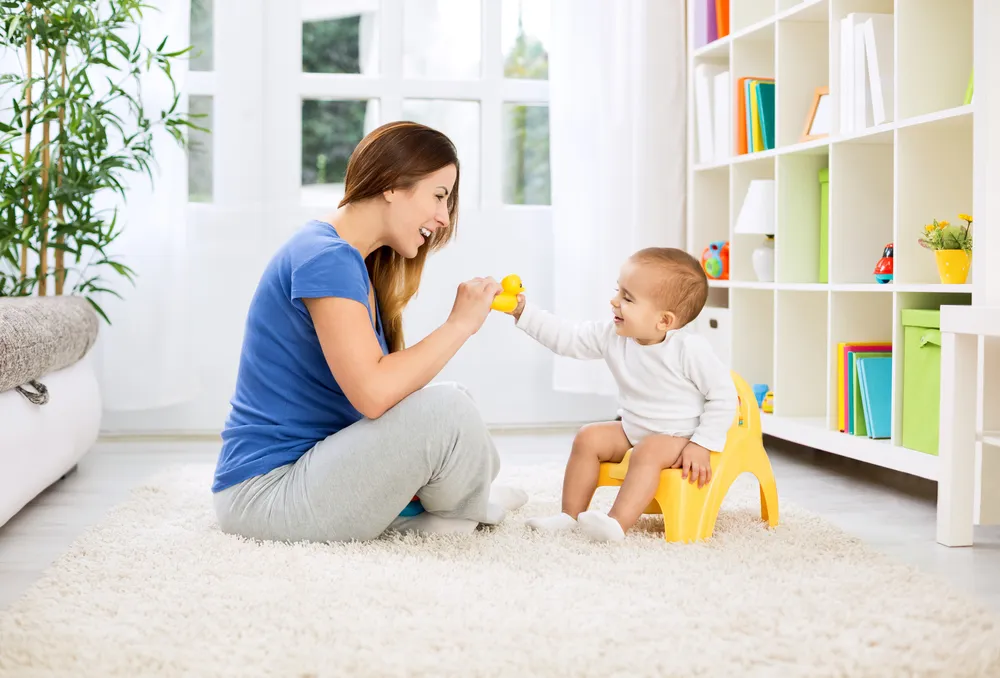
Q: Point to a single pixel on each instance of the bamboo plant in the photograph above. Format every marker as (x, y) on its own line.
(74, 132)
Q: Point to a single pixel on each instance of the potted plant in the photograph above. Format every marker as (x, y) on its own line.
(73, 133)
(952, 247)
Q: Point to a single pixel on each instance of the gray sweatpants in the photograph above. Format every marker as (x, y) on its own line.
(353, 485)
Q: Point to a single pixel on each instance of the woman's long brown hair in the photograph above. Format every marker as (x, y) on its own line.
(396, 156)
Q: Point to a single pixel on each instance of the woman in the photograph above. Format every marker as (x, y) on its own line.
(332, 434)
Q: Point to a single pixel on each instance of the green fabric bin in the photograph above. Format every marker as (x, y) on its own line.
(824, 222)
(921, 379)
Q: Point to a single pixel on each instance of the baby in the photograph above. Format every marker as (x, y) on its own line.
(677, 400)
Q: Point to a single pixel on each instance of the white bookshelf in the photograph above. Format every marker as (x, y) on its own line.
(885, 182)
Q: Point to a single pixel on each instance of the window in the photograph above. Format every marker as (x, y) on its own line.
(200, 153)
(442, 78)
(330, 131)
(200, 156)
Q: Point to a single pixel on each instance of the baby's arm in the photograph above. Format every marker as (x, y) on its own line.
(584, 341)
(703, 367)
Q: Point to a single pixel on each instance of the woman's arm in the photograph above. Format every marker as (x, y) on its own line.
(374, 382)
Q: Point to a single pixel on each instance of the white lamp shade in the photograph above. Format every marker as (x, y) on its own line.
(757, 214)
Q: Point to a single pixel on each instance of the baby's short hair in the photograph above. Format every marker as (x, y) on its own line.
(684, 285)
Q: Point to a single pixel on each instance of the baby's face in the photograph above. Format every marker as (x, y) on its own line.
(637, 304)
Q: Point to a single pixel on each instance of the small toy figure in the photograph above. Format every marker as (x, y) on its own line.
(883, 269)
(506, 301)
(715, 260)
(768, 405)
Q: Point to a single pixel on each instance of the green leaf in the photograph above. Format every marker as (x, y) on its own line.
(100, 311)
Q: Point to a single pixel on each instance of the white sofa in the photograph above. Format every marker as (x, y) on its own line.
(45, 343)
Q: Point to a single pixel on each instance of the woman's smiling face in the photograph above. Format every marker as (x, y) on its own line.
(415, 214)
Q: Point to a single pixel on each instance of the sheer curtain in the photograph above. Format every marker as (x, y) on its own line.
(617, 119)
(145, 356)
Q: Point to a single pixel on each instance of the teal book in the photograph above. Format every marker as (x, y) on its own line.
(765, 109)
(855, 409)
(875, 378)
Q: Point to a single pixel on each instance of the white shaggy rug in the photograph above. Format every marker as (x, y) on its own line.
(156, 590)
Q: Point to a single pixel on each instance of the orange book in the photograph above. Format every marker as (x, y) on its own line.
(722, 17)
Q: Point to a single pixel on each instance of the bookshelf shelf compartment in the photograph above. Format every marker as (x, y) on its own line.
(935, 176)
(861, 210)
(934, 54)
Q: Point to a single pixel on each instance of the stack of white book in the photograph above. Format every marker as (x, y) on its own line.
(866, 71)
(713, 113)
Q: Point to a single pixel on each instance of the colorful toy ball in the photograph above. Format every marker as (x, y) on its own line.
(883, 269)
(715, 260)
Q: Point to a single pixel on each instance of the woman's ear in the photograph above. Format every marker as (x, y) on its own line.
(389, 195)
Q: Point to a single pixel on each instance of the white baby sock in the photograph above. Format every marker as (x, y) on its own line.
(556, 523)
(510, 498)
(600, 526)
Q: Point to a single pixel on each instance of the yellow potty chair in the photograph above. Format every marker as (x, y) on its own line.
(689, 512)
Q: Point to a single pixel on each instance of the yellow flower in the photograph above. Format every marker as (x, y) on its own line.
(929, 227)
(965, 217)
(942, 224)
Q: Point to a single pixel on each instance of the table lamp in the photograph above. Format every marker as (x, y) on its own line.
(757, 218)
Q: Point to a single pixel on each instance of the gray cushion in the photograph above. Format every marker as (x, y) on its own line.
(39, 335)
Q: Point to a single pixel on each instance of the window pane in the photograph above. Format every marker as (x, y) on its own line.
(202, 39)
(526, 155)
(460, 121)
(442, 39)
(200, 150)
(340, 44)
(525, 39)
(330, 131)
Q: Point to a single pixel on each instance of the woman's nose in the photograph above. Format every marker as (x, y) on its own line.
(442, 217)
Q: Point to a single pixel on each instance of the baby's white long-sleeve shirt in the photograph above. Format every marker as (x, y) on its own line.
(677, 385)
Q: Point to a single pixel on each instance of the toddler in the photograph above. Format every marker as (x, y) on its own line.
(677, 400)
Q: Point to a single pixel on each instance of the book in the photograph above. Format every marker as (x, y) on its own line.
(879, 36)
(856, 421)
(875, 377)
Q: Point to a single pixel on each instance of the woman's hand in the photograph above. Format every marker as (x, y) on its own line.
(472, 303)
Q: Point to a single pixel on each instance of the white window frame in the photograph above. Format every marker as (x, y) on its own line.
(286, 86)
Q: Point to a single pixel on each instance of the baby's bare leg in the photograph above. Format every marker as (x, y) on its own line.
(651, 456)
(594, 444)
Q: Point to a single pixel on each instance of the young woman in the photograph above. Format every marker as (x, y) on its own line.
(333, 432)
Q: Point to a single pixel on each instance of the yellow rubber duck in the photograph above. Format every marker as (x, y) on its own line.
(506, 301)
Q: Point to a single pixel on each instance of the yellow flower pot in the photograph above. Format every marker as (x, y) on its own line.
(953, 266)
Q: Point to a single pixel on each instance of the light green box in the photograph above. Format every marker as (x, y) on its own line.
(921, 379)
(824, 222)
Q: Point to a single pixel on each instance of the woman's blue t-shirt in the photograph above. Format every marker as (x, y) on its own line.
(286, 399)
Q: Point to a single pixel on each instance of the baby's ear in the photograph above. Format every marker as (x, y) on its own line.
(668, 320)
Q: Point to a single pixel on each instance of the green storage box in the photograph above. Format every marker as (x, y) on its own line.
(921, 379)
(824, 222)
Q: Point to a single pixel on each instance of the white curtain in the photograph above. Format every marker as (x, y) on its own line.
(618, 152)
(145, 355)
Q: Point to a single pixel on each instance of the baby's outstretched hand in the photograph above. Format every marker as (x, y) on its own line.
(696, 464)
(517, 309)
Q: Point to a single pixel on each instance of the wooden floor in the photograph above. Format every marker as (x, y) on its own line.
(893, 513)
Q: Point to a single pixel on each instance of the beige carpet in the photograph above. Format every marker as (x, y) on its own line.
(155, 590)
